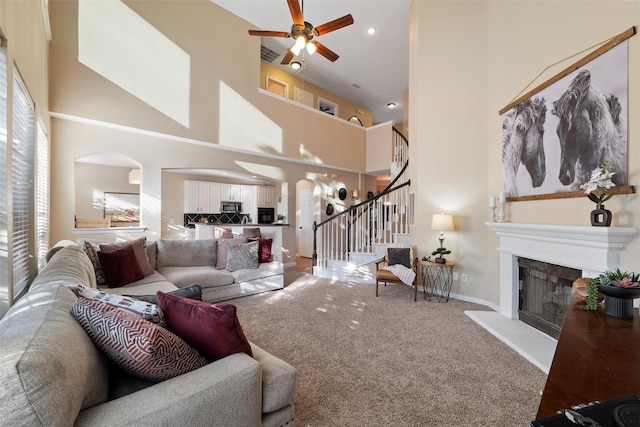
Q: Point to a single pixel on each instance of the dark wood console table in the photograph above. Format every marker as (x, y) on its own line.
(597, 358)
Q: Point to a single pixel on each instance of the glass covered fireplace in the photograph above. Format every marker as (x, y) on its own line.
(544, 294)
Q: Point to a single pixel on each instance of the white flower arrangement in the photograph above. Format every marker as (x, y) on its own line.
(599, 183)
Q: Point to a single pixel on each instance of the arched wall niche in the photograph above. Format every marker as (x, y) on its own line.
(107, 191)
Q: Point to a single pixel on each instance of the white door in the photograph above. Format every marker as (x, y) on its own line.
(305, 223)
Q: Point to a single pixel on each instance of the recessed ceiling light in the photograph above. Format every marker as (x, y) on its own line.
(391, 105)
(296, 65)
(371, 31)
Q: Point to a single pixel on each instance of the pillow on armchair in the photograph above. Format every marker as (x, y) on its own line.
(399, 256)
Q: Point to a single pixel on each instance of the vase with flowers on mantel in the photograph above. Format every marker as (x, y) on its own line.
(597, 190)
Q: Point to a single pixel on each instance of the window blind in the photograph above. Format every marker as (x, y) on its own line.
(22, 177)
(42, 195)
(4, 234)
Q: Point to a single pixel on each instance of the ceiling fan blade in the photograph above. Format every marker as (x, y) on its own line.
(269, 33)
(287, 57)
(326, 52)
(296, 13)
(336, 24)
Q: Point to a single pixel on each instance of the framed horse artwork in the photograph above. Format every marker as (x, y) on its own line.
(557, 134)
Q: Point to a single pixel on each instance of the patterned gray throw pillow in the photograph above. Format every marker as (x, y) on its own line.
(242, 256)
(92, 252)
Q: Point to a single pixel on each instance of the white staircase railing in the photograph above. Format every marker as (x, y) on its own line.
(376, 221)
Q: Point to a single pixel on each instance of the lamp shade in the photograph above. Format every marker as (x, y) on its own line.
(442, 222)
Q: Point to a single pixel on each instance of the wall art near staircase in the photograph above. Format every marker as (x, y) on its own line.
(554, 136)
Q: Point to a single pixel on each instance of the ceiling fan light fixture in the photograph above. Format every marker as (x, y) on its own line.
(311, 48)
(296, 65)
(295, 49)
(301, 41)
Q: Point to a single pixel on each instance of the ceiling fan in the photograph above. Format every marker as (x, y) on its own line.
(303, 33)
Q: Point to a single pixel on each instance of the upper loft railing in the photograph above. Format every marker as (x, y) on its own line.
(377, 220)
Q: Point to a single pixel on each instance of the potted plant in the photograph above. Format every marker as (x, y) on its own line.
(280, 219)
(439, 255)
(619, 288)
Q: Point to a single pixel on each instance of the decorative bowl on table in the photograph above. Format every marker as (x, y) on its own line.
(619, 288)
(616, 292)
(619, 293)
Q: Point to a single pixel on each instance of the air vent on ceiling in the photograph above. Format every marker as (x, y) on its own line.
(267, 54)
(316, 77)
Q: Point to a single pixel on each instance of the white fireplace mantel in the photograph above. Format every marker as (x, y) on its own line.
(590, 249)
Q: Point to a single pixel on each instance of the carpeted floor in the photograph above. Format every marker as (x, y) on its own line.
(389, 361)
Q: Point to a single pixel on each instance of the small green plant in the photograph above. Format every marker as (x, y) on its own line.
(591, 300)
(440, 251)
(280, 217)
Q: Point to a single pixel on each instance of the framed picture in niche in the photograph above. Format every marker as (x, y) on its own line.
(122, 207)
(327, 107)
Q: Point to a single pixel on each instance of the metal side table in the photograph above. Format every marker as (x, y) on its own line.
(437, 280)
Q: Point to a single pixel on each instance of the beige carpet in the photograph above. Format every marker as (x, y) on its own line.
(389, 361)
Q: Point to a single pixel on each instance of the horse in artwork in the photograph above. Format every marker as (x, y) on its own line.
(522, 143)
(591, 131)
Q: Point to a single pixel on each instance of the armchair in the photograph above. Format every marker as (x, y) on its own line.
(400, 265)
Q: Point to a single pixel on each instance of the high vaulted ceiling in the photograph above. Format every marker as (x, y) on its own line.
(372, 70)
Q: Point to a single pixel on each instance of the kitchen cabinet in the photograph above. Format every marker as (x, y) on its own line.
(231, 192)
(266, 196)
(205, 197)
(201, 197)
(248, 199)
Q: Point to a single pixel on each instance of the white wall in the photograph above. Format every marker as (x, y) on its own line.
(468, 60)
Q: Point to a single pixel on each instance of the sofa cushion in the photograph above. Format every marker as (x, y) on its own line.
(145, 286)
(152, 250)
(144, 310)
(205, 276)
(185, 253)
(134, 344)
(264, 250)
(139, 248)
(222, 250)
(243, 255)
(70, 266)
(50, 369)
(120, 266)
(264, 270)
(214, 330)
(191, 292)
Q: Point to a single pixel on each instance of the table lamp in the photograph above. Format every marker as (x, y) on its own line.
(442, 222)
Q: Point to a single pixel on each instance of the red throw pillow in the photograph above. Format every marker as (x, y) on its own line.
(213, 330)
(264, 250)
(120, 266)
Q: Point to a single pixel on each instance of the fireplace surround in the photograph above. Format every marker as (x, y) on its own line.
(589, 249)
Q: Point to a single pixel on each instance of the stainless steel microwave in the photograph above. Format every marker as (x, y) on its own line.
(230, 207)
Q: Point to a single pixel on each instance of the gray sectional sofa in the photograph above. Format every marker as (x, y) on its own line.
(52, 374)
(180, 263)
